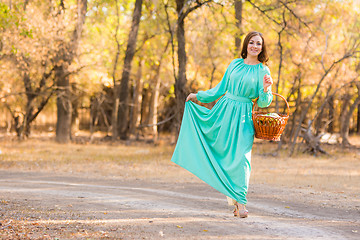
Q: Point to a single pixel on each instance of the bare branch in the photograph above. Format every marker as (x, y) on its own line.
(189, 10)
(294, 14)
(264, 12)
(43, 80)
(41, 106)
(326, 46)
(118, 45)
(9, 108)
(172, 41)
(146, 38)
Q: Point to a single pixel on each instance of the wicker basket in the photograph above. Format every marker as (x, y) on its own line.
(269, 127)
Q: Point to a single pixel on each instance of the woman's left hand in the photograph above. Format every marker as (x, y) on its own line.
(267, 82)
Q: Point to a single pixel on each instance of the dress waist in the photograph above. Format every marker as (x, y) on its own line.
(238, 98)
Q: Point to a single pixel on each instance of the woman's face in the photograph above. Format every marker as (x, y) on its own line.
(255, 46)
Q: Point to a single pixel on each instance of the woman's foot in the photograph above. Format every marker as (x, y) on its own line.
(240, 210)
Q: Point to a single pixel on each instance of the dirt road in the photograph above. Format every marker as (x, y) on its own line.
(46, 206)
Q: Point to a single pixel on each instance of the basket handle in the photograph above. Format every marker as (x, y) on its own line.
(287, 104)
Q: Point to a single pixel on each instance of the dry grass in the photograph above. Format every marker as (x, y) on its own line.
(107, 160)
(337, 172)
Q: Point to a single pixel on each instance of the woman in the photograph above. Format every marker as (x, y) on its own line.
(216, 144)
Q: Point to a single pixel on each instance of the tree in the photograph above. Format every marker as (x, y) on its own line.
(32, 76)
(63, 59)
(180, 81)
(346, 116)
(114, 117)
(123, 118)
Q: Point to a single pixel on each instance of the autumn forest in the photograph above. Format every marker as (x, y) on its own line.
(125, 67)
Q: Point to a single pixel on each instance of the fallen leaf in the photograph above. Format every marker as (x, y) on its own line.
(179, 226)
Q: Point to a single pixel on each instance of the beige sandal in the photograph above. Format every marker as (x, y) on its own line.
(241, 213)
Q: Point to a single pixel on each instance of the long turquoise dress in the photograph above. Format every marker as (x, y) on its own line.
(216, 144)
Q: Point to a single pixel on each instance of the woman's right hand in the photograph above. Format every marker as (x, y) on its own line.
(191, 96)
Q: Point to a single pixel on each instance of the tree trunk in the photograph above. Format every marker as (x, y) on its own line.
(137, 99)
(145, 106)
(154, 102)
(343, 112)
(22, 122)
(312, 142)
(92, 117)
(63, 103)
(358, 120)
(115, 108)
(36, 99)
(114, 114)
(124, 85)
(238, 36)
(331, 114)
(345, 123)
(27, 128)
(18, 127)
(75, 103)
(319, 122)
(180, 84)
(66, 54)
(278, 82)
(297, 112)
(279, 70)
(180, 81)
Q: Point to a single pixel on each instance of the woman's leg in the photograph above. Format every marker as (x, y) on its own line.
(230, 201)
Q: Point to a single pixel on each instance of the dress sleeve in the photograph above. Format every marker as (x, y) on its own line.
(219, 90)
(265, 98)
